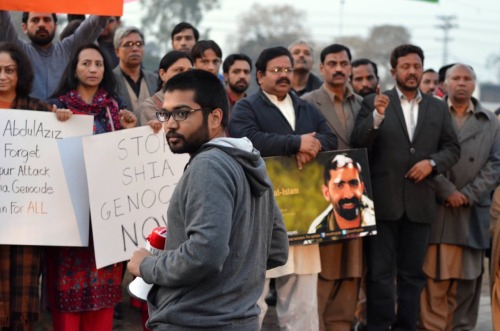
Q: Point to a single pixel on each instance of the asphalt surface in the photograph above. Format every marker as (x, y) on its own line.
(131, 320)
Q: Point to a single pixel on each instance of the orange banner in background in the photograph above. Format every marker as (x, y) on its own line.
(96, 7)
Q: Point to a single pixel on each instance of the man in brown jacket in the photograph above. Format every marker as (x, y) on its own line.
(459, 236)
(341, 262)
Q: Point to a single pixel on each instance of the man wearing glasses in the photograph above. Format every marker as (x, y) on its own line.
(134, 83)
(281, 124)
(224, 227)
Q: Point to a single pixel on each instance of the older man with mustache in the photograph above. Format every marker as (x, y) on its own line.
(280, 124)
(303, 80)
(134, 83)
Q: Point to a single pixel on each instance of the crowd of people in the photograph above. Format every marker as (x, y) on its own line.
(434, 159)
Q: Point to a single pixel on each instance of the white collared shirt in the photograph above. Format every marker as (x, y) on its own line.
(410, 111)
(285, 106)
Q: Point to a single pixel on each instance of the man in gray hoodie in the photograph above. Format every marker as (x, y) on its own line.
(224, 227)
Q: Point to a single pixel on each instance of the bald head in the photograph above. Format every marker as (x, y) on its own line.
(460, 83)
(458, 66)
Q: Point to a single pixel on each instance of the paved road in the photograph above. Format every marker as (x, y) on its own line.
(132, 317)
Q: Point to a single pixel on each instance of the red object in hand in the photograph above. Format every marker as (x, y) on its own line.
(157, 238)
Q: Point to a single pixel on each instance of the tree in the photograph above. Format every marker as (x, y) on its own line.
(268, 26)
(378, 47)
(162, 15)
(356, 44)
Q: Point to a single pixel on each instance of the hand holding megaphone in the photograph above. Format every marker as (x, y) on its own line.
(155, 243)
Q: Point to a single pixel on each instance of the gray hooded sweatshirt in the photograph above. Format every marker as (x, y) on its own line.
(224, 230)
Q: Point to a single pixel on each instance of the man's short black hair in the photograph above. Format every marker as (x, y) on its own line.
(27, 14)
(168, 60)
(209, 92)
(430, 70)
(73, 17)
(229, 61)
(362, 62)
(267, 55)
(183, 26)
(201, 46)
(443, 70)
(335, 48)
(403, 50)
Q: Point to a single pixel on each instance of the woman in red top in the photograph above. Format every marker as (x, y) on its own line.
(82, 297)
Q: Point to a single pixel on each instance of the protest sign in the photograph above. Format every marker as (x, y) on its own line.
(131, 176)
(108, 7)
(35, 205)
(314, 212)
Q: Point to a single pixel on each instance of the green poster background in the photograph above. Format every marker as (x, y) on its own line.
(299, 196)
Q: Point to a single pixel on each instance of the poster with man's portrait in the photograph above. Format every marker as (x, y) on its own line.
(330, 199)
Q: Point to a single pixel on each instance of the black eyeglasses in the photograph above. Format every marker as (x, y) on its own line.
(177, 115)
(130, 44)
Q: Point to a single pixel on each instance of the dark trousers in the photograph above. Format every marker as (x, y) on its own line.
(395, 257)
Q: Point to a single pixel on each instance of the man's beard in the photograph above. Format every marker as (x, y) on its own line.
(42, 41)
(402, 84)
(238, 88)
(366, 91)
(348, 214)
(191, 144)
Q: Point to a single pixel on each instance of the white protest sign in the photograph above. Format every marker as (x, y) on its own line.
(35, 204)
(131, 176)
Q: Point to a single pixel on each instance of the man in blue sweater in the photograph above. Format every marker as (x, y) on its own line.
(224, 227)
(48, 58)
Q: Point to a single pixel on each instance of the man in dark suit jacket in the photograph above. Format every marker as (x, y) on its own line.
(410, 137)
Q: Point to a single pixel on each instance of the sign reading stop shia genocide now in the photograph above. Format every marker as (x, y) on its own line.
(105, 7)
(131, 176)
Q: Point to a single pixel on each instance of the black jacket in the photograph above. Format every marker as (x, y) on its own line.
(258, 119)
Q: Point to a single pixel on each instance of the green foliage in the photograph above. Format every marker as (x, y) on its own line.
(299, 210)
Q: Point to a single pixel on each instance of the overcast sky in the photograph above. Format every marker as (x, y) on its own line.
(473, 41)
